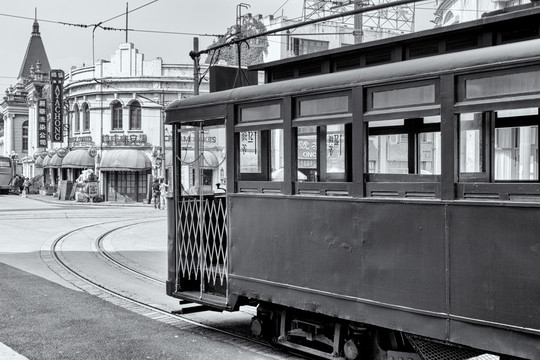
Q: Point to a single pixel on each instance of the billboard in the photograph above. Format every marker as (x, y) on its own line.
(57, 105)
(42, 123)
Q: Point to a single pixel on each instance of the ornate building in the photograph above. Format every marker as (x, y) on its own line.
(18, 106)
(116, 114)
(113, 120)
(451, 12)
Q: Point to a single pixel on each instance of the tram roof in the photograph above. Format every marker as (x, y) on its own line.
(214, 105)
(500, 22)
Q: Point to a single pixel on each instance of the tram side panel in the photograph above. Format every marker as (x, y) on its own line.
(361, 261)
(385, 263)
(494, 267)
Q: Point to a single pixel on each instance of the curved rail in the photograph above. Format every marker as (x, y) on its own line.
(56, 262)
(101, 249)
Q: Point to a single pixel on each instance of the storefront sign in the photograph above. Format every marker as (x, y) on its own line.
(57, 106)
(61, 152)
(42, 123)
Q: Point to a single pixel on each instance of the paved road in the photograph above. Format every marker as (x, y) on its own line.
(45, 317)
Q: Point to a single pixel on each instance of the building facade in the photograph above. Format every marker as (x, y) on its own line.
(18, 107)
(115, 121)
(451, 12)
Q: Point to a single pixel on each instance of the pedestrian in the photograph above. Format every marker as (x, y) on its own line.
(163, 191)
(26, 187)
(157, 194)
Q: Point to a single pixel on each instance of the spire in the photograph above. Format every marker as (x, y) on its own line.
(34, 52)
(35, 30)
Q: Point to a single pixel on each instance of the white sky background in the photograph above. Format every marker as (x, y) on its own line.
(68, 46)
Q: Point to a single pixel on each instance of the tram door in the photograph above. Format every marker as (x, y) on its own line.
(201, 228)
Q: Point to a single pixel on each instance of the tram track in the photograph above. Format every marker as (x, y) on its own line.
(53, 256)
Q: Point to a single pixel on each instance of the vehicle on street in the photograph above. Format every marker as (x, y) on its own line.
(404, 222)
(7, 172)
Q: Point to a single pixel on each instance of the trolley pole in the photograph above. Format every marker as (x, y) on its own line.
(196, 163)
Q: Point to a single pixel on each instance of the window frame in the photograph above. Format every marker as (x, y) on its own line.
(263, 125)
(413, 129)
(24, 135)
(488, 136)
(321, 121)
(86, 117)
(76, 119)
(117, 123)
(135, 116)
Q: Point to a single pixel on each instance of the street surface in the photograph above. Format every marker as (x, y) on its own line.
(45, 316)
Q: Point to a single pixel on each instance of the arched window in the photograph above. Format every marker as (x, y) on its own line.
(116, 109)
(86, 117)
(135, 116)
(76, 123)
(25, 136)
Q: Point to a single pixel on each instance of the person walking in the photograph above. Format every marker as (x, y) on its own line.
(26, 187)
(157, 194)
(163, 192)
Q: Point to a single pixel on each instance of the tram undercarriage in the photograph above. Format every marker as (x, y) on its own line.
(331, 338)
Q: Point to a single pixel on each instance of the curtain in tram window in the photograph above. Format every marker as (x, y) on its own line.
(503, 164)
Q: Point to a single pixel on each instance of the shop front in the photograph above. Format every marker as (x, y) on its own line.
(78, 160)
(126, 174)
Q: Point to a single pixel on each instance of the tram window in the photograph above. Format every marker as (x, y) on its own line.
(471, 143)
(516, 145)
(261, 155)
(405, 146)
(250, 152)
(322, 153)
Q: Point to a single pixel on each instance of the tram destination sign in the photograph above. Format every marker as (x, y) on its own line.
(57, 105)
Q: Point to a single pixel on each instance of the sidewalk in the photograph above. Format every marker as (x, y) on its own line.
(54, 200)
(42, 320)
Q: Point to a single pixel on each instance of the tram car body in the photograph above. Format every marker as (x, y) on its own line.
(388, 211)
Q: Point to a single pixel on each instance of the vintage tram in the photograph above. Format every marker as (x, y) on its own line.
(389, 210)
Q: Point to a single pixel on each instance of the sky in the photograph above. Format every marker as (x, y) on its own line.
(69, 46)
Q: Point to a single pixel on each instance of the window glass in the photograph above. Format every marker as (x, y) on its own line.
(398, 122)
(250, 152)
(86, 117)
(335, 150)
(135, 116)
(388, 154)
(404, 97)
(516, 153)
(262, 112)
(307, 153)
(25, 136)
(393, 144)
(320, 106)
(276, 155)
(430, 153)
(471, 159)
(76, 122)
(501, 114)
(117, 116)
(515, 83)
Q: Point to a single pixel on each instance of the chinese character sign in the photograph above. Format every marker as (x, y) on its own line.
(57, 105)
(42, 123)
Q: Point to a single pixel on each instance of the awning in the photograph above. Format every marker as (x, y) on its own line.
(208, 158)
(79, 159)
(125, 160)
(39, 162)
(54, 162)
